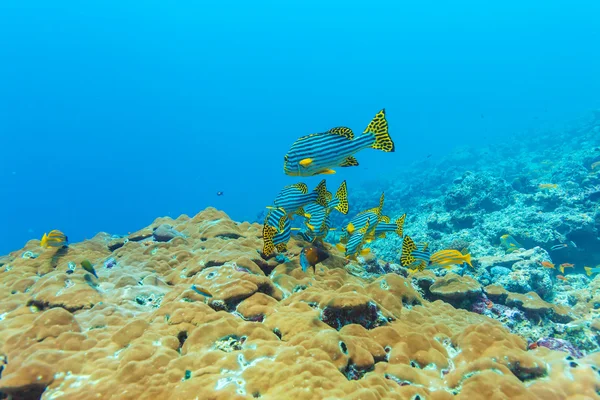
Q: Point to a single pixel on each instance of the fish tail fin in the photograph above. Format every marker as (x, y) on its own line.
(321, 192)
(467, 259)
(340, 247)
(400, 225)
(378, 127)
(268, 235)
(44, 242)
(588, 271)
(341, 196)
(408, 246)
(562, 269)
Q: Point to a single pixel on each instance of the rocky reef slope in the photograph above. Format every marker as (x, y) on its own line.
(189, 308)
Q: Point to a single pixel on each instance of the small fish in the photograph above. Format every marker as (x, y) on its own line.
(589, 271)
(386, 226)
(559, 246)
(547, 186)
(292, 197)
(355, 243)
(444, 258)
(509, 243)
(276, 231)
(317, 215)
(320, 152)
(547, 264)
(413, 255)
(371, 216)
(201, 291)
(562, 278)
(310, 256)
(220, 193)
(565, 265)
(87, 265)
(54, 238)
(595, 165)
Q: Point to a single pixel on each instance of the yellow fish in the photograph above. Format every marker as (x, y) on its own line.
(547, 186)
(446, 258)
(54, 238)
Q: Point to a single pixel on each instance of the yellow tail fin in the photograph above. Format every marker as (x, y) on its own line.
(379, 128)
(562, 269)
(467, 259)
(588, 271)
(342, 195)
(400, 225)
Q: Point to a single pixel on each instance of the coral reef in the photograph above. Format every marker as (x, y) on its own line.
(189, 308)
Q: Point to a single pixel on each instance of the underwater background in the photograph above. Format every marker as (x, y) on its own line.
(112, 113)
(303, 200)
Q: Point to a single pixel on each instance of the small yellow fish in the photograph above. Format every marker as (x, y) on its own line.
(595, 165)
(565, 265)
(54, 238)
(547, 186)
(446, 258)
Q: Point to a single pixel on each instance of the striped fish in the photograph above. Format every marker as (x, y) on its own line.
(276, 231)
(355, 243)
(317, 215)
(293, 197)
(54, 238)
(371, 216)
(386, 226)
(320, 152)
(413, 256)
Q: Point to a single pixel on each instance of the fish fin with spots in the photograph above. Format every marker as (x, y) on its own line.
(321, 191)
(378, 127)
(342, 131)
(341, 195)
(349, 162)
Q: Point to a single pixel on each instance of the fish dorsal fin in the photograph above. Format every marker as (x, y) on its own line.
(381, 200)
(301, 186)
(385, 219)
(342, 131)
(349, 162)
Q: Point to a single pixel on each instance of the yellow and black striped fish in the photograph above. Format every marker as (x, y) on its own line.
(54, 238)
(293, 197)
(276, 231)
(372, 216)
(320, 152)
(386, 226)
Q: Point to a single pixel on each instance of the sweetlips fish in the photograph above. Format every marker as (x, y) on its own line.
(386, 226)
(318, 153)
(316, 215)
(371, 217)
(293, 197)
(87, 265)
(276, 231)
(355, 243)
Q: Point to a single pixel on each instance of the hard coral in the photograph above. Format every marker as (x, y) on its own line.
(253, 327)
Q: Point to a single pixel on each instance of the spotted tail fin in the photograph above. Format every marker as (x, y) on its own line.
(269, 233)
(379, 128)
(341, 198)
(408, 246)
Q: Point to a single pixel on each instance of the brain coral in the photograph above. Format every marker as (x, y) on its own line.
(199, 313)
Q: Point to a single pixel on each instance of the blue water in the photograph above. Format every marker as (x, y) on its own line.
(113, 113)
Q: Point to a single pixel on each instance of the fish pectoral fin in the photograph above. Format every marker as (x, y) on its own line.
(365, 252)
(349, 162)
(306, 162)
(340, 247)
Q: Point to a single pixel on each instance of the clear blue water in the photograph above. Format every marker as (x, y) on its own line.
(114, 113)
